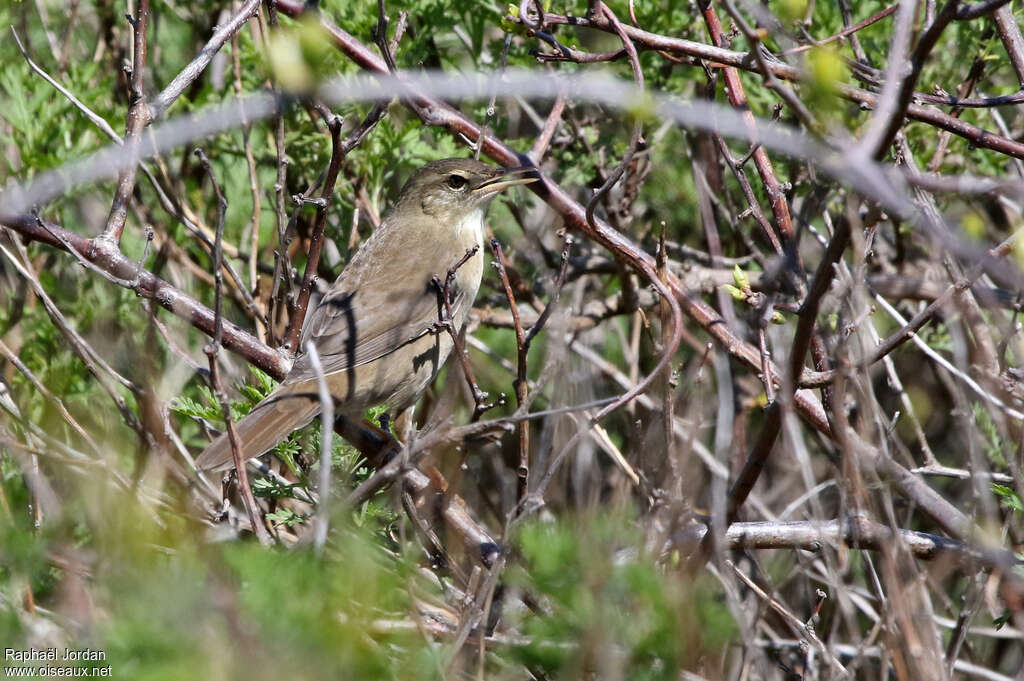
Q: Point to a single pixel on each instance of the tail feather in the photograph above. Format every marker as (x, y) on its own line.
(261, 429)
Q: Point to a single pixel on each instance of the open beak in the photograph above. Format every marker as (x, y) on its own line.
(509, 178)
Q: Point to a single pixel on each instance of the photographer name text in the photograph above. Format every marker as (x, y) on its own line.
(54, 655)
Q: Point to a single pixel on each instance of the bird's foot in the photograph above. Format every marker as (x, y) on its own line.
(440, 326)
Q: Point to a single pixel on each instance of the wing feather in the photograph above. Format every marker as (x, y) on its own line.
(360, 320)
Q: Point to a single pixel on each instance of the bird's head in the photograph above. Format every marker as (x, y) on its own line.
(452, 188)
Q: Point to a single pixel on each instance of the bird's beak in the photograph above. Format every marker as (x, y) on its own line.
(509, 178)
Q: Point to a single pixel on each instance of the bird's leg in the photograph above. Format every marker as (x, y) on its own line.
(399, 427)
(228, 486)
(385, 423)
(443, 322)
(440, 326)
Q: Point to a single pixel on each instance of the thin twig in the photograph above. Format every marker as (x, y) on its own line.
(316, 238)
(638, 128)
(162, 102)
(211, 350)
(540, 145)
(326, 432)
(520, 384)
(138, 118)
(262, 323)
(446, 322)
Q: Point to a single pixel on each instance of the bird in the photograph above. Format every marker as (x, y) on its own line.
(376, 329)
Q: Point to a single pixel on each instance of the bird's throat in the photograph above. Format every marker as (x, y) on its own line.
(470, 230)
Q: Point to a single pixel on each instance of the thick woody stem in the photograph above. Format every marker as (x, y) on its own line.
(860, 532)
(1009, 34)
(124, 270)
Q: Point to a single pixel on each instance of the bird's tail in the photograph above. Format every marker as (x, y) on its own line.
(265, 426)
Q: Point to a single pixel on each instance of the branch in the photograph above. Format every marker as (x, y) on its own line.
(211, 350)
(180, 304)
(158, 107)
(138, 117)
(446, 322)
(719, 57)
(316, 239)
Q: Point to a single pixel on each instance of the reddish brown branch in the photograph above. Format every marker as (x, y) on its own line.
(848, 31)
(734, 91)
(748, 190)
(1010, 35)
(316, 239)
(540, 145)
(823, 278)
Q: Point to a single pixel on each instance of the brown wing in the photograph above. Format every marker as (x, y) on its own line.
(381, 301)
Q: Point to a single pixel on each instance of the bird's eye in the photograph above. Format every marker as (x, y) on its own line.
(457, 181)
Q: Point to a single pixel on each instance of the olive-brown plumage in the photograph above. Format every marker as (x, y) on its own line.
(375, 329)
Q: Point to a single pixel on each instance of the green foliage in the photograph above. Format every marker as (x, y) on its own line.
(306, 617)
(286, 517)
(608, 606)
(44, 127)
(208, 408)
(1008, 497)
